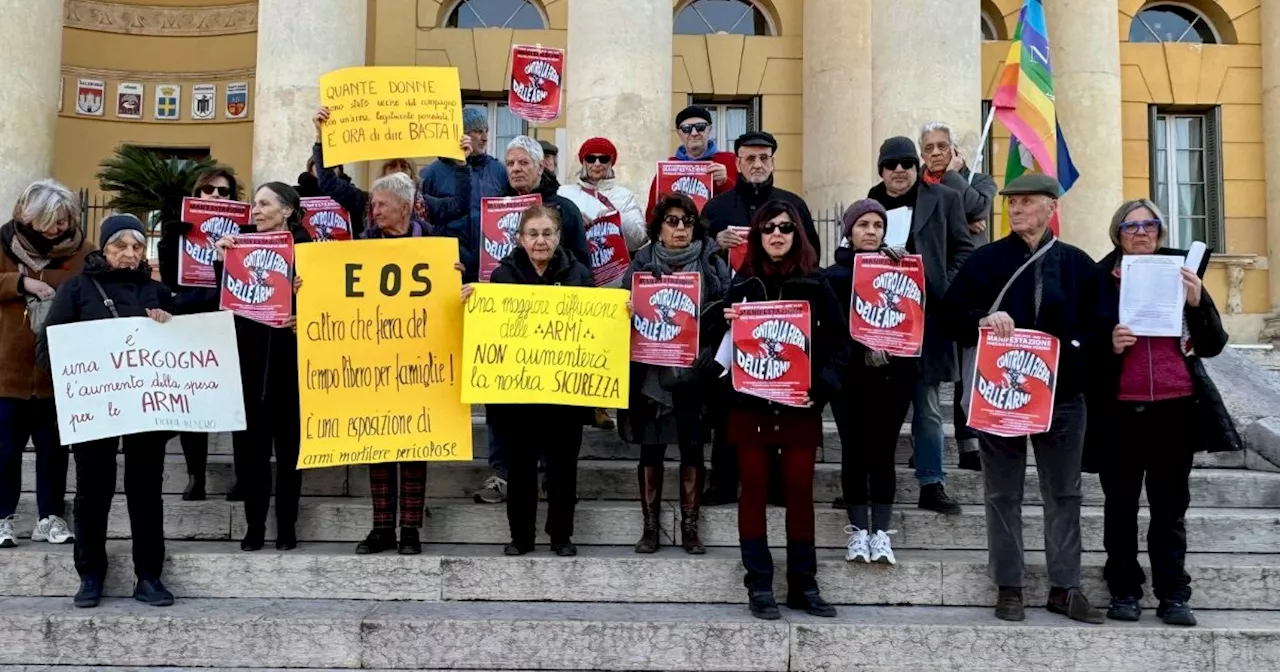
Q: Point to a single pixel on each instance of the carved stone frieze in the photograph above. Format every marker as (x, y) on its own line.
(154, 20)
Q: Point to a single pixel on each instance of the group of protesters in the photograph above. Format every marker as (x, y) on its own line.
(1132, 408)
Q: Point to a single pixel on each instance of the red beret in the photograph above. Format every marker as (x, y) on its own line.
(598, 146)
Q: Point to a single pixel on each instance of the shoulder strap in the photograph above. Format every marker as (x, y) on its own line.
(106, 300)
(1025, 265)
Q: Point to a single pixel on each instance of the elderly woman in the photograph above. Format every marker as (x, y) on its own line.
(875, 395)
(116, 282)
(269, 374)
(43, 248)
(666, 404)
(217, 183)
(782, 265)
(1151, 408)
(597, 193)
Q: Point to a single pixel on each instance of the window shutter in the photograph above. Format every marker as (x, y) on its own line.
(1215, 227)
(753, 114)
(1153, 165)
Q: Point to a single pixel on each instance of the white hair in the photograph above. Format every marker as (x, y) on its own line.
(937, 127)
(44, 203)
(529, 145)
(397, 184)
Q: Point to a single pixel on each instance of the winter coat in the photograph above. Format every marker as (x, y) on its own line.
(20, 377)
(186, 300)
(726, 159)
(840, 276)
(737, 206)
(488, 180)
(977, 197)
(940, 235)
(573, 231)
(582, 193)
(1204, 337)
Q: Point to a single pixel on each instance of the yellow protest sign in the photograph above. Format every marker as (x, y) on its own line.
(532, 344)
(390, 112)
(379, 353)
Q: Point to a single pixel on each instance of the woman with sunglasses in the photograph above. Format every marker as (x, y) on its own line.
(217, 183)
(1151, 408)
(598, 195)
(666, 404)
(781, 265)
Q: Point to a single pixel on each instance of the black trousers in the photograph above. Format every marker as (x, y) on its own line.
(560, 442)
(869, 416)
(267, 429)
(195, 450)
(1154, 442)
(95, 488)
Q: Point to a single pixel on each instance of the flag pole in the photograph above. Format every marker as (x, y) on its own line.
(978, 157)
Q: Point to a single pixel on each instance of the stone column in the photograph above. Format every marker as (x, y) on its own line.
(839, 151)
(29, 90)
(926, 67)
(295, 47)
(1084, 40)
(1271, 138)
(618, 84)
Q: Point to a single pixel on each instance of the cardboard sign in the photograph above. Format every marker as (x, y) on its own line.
(686, 177)
(537, 75)
(664, 326)
(379, 353)
(390, 112)
(534, 344)
(209, 220)
(771, 350)
(887, 311)
(257, 278)
(499, 228)
(325, 220)
(1014, 383)
(132, 375)
(738, 255)
(608, 249)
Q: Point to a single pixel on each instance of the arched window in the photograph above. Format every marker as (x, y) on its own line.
(989, 31)
(731, 17)
(1172, 22)
(517, 14)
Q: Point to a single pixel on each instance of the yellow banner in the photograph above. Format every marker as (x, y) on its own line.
(391, 112)
(379, 353)
(529, 344)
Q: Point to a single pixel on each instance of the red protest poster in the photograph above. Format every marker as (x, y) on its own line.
(1013, 383)
(771, 346)
(738, 255)
(608, 249)
(888, 304)
(257, 277)
(536, 76)
(664, 326)
(209, 220)
(499, 226)
(325, 220)
(686, 177)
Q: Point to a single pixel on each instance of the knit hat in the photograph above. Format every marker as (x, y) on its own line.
(692, 112)
(898, 149)
(548, 149)
(528, 144)
(474, 119)
(857, 210)
(114, 225)
(597, 146)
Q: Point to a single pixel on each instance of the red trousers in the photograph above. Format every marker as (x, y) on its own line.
(411, 493)
(797, 478)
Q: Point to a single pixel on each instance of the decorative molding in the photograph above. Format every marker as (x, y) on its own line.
(239, 74)
(1236, 265)
(162, 21)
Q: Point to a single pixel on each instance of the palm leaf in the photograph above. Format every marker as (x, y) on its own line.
(142, 182)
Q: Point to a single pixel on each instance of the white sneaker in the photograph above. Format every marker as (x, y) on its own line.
(53, 530)
(881, 550)
(857, 546)
(7, 538)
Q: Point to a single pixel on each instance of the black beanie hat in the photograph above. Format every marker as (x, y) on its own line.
(693, 112)
(898, 149)
(117, 223)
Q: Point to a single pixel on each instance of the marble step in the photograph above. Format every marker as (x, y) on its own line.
(594, 636)
(616, 479)
(598, 574)
(1218, 530)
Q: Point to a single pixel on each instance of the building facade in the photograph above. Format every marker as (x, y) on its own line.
(1178, 100)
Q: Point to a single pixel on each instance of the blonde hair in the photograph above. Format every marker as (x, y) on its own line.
(1126, 208)
(44, 203)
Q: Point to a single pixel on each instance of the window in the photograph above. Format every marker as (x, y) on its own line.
(504, 126)
(731, 119)
(1172, 22)
(517, 14)
(732, 17)
(989, 31)
(1186, 175)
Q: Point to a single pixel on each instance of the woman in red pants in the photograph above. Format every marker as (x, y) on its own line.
(781, 265)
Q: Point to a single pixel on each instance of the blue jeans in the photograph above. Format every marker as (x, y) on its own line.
(37, 420)
(926, 434)
(497, 452)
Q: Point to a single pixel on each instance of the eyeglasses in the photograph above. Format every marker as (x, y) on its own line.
(900, 164)
(700, 127)
(785, 228)
(1147, 225)
(763, 159)
(534, 235)
(677, 222)
(207, 189)
(597, 158)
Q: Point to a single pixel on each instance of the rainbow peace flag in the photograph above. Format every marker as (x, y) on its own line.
(1024, 104)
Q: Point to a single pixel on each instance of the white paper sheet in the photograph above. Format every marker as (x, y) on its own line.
(1151, 294)
(898, 227)
(1195, 255)
(724, 354)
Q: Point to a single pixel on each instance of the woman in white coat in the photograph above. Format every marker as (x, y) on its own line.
(597, 195)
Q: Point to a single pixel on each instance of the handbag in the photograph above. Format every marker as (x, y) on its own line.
(37, 308)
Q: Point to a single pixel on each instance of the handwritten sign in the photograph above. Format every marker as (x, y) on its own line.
(534, 344)
(132, 375)
(325, 220)
(771, 349)
(257, 278)
(379, 353)
(209, 220)
(887, 311)
(665, 323)
(1014, 383)
(537, 80)
(390, 112)
(687, 177)
(499, 228)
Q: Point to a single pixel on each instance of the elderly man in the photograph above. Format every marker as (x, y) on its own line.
(550, 158)
(1052, 287)
(693, 125)
(945, 164)
(928, 220)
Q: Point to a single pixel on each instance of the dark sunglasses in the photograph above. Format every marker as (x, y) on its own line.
(209, 189)
(597, 158)
(904, 164)
(1148, 225)
(770, 227)
(676, 222)
(700, 127)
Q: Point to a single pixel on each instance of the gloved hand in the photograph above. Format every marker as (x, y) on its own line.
(655, 268)
(894, 253)
(876, 358)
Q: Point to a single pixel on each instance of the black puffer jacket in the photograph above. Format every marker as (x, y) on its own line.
(840, 275)
(737, 206)
(573, 230)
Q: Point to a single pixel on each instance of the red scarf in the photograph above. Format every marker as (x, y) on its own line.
(931, 178)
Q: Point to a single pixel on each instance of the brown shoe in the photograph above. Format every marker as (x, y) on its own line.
(1072, 603)
(690, 503)
(651, 506)
(603, 421)
(1009, 605)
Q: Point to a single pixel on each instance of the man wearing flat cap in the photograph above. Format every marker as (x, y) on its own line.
(1031, 280)
(550, 160)
(693, 125)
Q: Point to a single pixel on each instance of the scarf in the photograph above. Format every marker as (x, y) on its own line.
(931, 178)
(658, 380)
(34, 250)
(676, 261)
(682, 155)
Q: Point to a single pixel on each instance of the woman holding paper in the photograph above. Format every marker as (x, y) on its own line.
(116, 282)
(666, 404)
(1152, 407)
(781, 265)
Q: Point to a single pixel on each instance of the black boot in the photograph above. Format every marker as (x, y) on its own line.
(763, 605)
(90, 593)
(380, 539)
(690, 503)
(286, 538)
(758, 562)
(152, 592)
(933, 497)
(1009, 605)
(410, 543)
(194, 491)
(802, 580)
(651, 507)
(254, 539)
(1124, 609)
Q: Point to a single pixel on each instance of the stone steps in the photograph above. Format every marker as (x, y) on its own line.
(501, 635)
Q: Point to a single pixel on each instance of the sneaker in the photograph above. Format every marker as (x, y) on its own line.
(494, 491)
(1124, 609)
(933, 497)
(52, 529)
(881, 550)
(7, 538)
(857, 546)
(1175, 612)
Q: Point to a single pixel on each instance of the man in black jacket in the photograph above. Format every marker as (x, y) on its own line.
(755, 150)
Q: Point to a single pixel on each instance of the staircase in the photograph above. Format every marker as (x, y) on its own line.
(463, 605)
